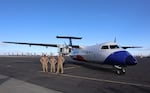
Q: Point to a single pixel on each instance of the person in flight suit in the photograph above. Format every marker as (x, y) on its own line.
(60, 63)
(53, 62)
(44, 61)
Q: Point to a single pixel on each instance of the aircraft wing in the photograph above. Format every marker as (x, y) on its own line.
(76, 46)
(39, 44)
(126, 47)
(35, 44)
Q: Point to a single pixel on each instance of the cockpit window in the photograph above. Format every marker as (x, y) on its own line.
(105, 47)
(114, 46)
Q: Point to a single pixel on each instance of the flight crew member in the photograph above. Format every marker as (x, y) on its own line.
(60, 63)
(44, 61)
(53, 62)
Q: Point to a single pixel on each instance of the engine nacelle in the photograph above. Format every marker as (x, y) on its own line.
(65, 50)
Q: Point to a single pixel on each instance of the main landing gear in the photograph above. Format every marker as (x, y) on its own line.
(119, 70)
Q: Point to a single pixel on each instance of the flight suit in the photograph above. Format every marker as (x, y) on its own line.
(44, 61)
(60, 64)
(53, 62)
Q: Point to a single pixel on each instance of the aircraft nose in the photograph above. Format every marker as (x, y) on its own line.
(130, 60)
(121, 58)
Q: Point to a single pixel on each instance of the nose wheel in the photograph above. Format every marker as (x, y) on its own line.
(119, 70)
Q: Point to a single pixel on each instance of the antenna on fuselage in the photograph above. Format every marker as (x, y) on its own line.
(70, 38)
(115, 40)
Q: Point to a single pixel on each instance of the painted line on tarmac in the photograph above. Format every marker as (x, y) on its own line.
(101, 80)
(105, 80)
(68, 68)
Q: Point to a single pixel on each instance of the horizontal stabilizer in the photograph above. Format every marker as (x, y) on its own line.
(69, 37)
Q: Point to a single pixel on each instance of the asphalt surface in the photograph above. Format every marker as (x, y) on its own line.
(26, 74)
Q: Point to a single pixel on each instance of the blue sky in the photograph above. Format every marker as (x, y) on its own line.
(96, 21)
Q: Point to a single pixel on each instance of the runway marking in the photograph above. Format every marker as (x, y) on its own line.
(68, 68)
(105, 80)
(9, 66)
(99, 80)
(42, 71)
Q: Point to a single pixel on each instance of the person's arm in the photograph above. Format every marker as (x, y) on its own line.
(55, 61)
(41, 60)
(63, 59)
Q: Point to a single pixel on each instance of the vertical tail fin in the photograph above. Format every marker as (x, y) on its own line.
(115, 40)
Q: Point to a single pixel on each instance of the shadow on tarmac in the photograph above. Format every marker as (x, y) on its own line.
(97, 67)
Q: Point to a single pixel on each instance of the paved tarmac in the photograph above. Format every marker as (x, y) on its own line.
(24, 75)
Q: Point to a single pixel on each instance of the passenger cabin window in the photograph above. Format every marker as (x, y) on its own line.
(114, 46)
(105, 47)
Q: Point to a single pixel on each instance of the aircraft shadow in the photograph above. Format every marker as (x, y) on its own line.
(96, 67)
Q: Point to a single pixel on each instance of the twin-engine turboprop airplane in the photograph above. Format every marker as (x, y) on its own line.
(109, 53)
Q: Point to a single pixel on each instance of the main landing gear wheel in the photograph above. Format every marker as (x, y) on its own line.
(120, 70)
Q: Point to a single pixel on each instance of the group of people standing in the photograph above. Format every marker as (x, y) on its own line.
(53, 61)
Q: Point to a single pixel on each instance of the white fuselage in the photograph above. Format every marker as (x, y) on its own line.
(100, 53)
(95, 53)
